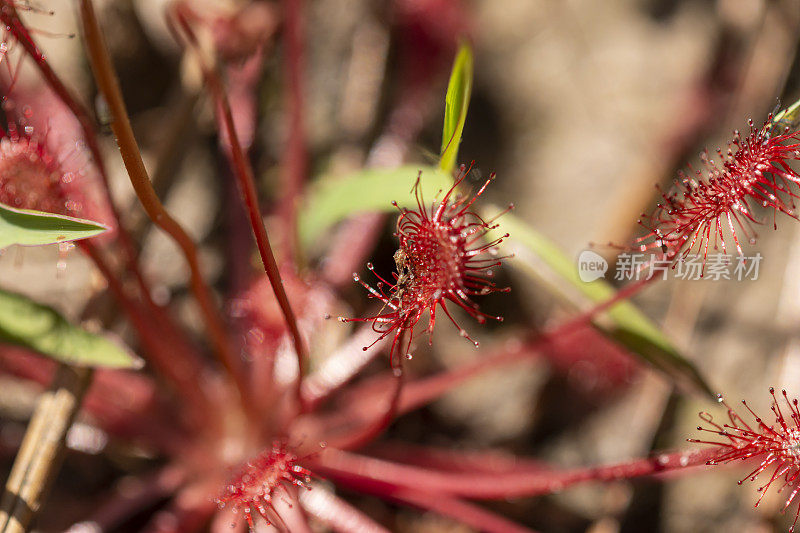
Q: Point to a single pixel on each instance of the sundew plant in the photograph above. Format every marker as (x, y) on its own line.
(269, 266)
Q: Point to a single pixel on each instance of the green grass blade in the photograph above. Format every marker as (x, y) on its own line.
(456, 103)
(540, 258)
(38, 327)
(332, 200)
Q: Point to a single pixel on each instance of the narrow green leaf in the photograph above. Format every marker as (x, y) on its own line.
(24, 322)
(32, 228)
(456, 103)
(540, 258)
(332, 200)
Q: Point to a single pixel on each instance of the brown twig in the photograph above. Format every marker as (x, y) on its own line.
(108, 85)
(40, 455)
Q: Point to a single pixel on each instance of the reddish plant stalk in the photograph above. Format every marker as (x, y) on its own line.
(182, 371)
(129, 149)
(244, 176)
(365, 471)
(296, 156)
(457, 509)
(455, 460)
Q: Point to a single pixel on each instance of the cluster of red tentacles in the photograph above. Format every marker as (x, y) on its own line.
(253, 489)
(701, 209)
(776, 445)
(444, 255)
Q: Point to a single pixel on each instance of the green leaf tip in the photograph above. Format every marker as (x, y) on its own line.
(35, 228)
(456, 104)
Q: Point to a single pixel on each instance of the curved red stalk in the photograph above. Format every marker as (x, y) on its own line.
(347, 467)
(179, 18)
(108, 85)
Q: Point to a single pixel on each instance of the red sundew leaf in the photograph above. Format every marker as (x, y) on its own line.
(444, 258)
(775, 448)
(720, 199)
(252, 490)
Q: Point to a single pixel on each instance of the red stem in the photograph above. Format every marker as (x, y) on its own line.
(296, 156)
(169, 356)
(345, 466)
(129, 149)
(454, 460)
(461, 511)
(244, 177)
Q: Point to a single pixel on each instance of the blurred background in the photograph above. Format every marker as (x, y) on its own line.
(581, 107)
